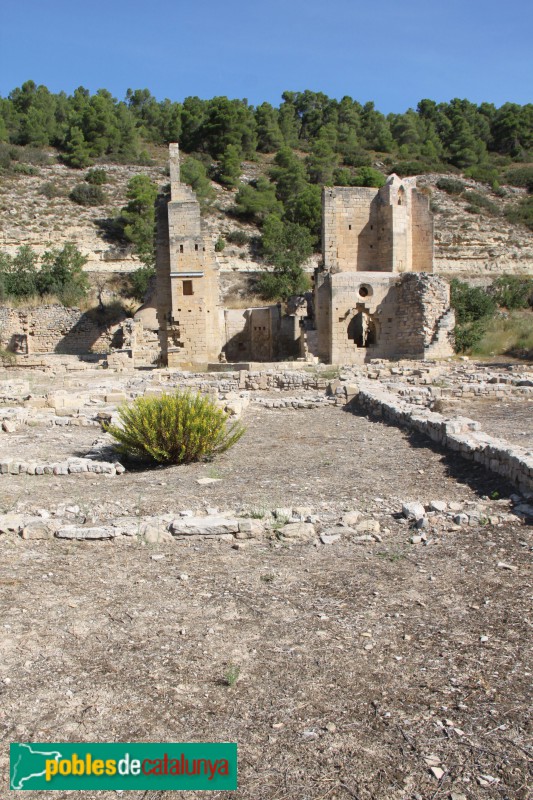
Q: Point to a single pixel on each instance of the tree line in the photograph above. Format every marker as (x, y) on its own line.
(316, 140)
(337, 134)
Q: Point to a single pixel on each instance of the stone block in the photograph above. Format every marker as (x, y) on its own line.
(79, 533)
(204, 526)
(302, 531)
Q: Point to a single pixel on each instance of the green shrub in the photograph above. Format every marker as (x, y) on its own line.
(51, 190)
(238, 237)
(62, 274)
(474, 308)
(139, 282)
(368, 176)
(25, 169)
(469, 335)
(137, 219)
(6, 155)
(220, 244)
(450, 185)
(286, 246)
(31, 155)
(87, 195)
(18, 274)
(194, 173)
(512, 292)
(257, 200)
(477, 202)
(521, 176)
(483, 173)
(470, 303)
(174, 429)
(521, 213)
(96, 177)
(405, 168)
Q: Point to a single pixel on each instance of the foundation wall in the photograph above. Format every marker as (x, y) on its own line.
(56, 329)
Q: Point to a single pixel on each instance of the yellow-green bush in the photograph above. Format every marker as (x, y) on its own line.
(174, 429)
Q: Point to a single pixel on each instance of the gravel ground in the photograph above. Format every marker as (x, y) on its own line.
(356, 662)
(287, 457)
(510, 419)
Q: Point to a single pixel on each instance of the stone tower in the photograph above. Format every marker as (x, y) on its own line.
(375, 296)
(188, 307)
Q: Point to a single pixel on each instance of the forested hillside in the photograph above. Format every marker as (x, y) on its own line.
(339, 136)
(258, 172)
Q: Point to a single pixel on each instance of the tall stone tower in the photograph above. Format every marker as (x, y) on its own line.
(188, 307)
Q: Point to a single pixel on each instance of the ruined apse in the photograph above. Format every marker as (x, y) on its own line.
(375, 294)
(188, 307)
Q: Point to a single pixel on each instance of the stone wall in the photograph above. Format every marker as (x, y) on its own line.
(459, 434)
(56, 329)
(347, 233)
(380, 230)
(367, 315)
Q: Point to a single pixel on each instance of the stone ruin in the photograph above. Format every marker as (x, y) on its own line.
(374, 297)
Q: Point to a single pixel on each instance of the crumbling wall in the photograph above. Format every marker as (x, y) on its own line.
(366, 315)
(56, 329)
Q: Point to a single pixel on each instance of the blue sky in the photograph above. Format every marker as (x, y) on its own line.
(389, 51)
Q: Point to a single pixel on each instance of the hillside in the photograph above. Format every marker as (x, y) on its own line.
(473, 245)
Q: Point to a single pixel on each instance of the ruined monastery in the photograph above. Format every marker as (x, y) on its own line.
(374, 296)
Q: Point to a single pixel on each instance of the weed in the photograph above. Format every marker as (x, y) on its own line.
(268, 578)
(279, 522)
(232, 675)
(511, 334)
(7, 358)
(392, 556)
(257, 513)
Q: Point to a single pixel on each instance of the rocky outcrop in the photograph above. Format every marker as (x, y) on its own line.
(474, 245)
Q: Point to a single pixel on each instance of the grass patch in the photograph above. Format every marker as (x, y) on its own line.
(510, 335)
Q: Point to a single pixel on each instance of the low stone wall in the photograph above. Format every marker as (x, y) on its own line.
(459, 434)
(56, 329)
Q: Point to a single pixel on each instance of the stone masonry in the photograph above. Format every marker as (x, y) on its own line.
(375, 296)
(188, 308)
(56, 329)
